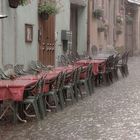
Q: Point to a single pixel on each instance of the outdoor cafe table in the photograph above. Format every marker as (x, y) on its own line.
(95, 64)
(14, 89)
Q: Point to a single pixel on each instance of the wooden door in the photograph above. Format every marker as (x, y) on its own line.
(47, 40)
(73, 26)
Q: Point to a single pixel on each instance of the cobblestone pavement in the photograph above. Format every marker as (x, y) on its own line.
(111, 113)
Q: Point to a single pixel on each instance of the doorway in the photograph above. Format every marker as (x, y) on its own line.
(74, 26)
(47, 40)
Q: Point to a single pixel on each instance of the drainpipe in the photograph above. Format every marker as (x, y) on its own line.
(2, 36)
(15, 37)
(88, 27)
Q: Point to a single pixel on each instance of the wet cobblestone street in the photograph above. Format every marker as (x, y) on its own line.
(111, 113)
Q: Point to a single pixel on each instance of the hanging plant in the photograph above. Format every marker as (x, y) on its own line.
(16, 3)
(98, 13)
(13, 3)
(119, 19)
(118, 32)
(47, 8)
(129, 19)
(23, 2)
(101, 29)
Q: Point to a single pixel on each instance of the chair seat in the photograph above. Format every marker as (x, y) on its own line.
(29, 100)
(67, 86)
(83, 80)
(50, 92)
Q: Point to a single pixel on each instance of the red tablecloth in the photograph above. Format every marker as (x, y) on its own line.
(95, 64)
(14, 89)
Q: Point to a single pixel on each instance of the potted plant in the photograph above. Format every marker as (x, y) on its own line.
(23, 2)
(47, 8)
(119, 19)
(98, 13)
(129, 19)
(16, 3)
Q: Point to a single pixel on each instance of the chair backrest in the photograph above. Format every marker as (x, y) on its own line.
(71, 59)
(116, 60)
(37, 88)
(32, 66)
(8, 66)
(5, 76)
(73, 55)
(126, 57)
(74, 75)
(63, 60)
(123, 58)
(8, 70)
(79, 70)
(89, 71)
(59, 80)
(40, 65)
(18, 68)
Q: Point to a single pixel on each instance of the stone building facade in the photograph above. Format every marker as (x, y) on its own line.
(118, 32)
(78, 18)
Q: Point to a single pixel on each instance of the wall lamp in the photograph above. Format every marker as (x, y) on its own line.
(3, 16)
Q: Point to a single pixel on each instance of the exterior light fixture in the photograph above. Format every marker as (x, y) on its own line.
(3, 16)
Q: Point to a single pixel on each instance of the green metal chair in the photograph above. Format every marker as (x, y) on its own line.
(76, 85)
(87, 80)
(53, 92)
(35, 99)
(122, 64)
(67, 86)
(90, 78)
(106, 76)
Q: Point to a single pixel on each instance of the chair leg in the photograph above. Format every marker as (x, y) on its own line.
(75, 89)
(122, 71)
(96, 79)
(126, 70)
(107, 79)
(41, 107)
(87, 87)
(36, 109)
(15, 111)
(79, 90)
(55, 100)
(72, 94)
(110, 77)
(115, 71)
(91, 84)
(61, 98)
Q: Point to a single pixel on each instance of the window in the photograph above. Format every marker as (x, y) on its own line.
(98, 4)
(28, 33)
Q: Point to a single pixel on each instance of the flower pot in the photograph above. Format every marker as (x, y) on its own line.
(101, 29)
(118, 32)
(14, 3)
(98, 13)
(44, 16)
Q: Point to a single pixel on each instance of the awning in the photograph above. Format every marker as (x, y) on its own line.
(134, 1)
(78, 2)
